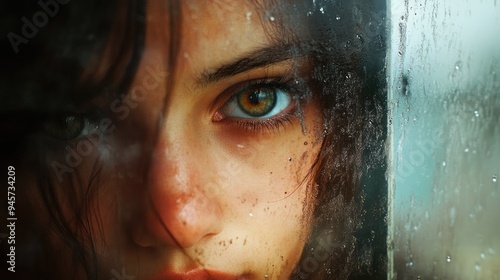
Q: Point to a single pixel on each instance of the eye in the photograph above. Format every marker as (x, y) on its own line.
(68, 126)
(258, 102)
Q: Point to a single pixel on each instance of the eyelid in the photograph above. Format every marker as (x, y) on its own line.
(248, 65)
(234, 89)
(257, 125)
(90, 123)
(272, 114)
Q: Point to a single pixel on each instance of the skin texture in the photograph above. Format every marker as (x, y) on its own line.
(182, 184)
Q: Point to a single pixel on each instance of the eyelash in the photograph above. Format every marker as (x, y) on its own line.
(263, 125)
(89, 124)
(267, 125)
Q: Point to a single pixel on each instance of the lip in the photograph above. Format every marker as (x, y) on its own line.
(201, 274)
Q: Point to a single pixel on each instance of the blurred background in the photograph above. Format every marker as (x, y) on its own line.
(444, 139)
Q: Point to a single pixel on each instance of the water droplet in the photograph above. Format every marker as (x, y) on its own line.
(305, 143)
(328, 271)
(322, 10)
(271, 18)
(248, 15)
(266, 276)
(466, 150)
(494, 178)
(477, 267)
(337, 18)
(483, 256)
(448, 259)
(250, 214)
(453, 215)
(289, 159)
(444, 163)
(476, 113)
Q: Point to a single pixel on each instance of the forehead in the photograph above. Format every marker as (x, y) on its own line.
(208, 31)
(228, 25)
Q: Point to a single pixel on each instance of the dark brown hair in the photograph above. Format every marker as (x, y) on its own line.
(64, 64)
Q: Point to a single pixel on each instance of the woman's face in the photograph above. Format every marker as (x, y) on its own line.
(206, 177)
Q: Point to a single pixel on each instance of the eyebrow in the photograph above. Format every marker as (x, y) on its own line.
(256, 59)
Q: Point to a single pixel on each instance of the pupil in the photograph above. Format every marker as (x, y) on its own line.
(254, 98)
(258, 102)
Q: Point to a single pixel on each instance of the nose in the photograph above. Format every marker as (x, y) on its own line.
(179, 209)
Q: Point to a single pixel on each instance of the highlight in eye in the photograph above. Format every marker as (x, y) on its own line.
(257, 103)
(258, 100)
(260, 104)
(67, 127)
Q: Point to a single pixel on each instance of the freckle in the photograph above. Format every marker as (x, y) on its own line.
(230, 241)
(271, 173)
(245, 242)
(286, 192)
(237, 237)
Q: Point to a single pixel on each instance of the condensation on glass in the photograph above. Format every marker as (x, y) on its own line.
(444, 97)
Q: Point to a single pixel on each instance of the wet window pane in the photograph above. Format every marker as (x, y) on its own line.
(444, 97)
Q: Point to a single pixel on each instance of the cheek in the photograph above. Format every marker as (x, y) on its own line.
(271, 201)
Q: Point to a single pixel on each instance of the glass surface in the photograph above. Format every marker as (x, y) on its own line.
(444, 97)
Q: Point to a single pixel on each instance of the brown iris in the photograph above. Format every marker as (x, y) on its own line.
(257, 103)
